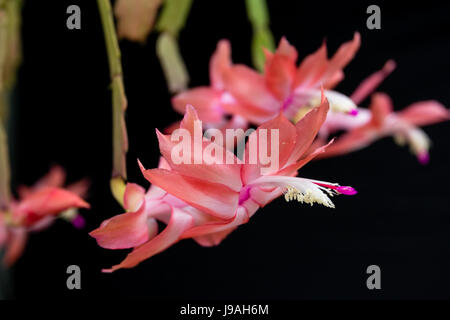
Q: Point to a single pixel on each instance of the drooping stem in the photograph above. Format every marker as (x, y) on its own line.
(119, 101)
(171, 20)
(4, 105)
(258, 14)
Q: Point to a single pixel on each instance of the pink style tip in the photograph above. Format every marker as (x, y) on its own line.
(424, 158)
(349, 191)
(79, 222)
(353, 112)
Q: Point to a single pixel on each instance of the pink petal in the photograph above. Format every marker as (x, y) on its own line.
(125, 230)
(179, 222)
(249, 88)
(424, 113)
(206, 101)
(220, 62)
(47, 201)
(371, 83)
(312, 68)
(287, 138)
(222, 173)
(381, 107)
(280, 70)
(240, 217)
(307, 129)
(133, 196)
(343, 56)
(215, 199)
(351, 141)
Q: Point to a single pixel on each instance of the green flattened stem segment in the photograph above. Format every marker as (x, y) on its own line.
(119, 101)
(258, 14)
(171, 20)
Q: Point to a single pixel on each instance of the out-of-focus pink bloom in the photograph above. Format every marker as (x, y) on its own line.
(241, 91)
(36, 209)
(208, 201)
(381, 121)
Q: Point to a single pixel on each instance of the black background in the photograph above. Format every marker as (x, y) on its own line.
(399, 220)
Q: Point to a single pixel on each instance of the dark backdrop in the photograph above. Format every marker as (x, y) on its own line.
(399, 220)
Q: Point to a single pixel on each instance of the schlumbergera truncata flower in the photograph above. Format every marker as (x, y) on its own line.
(380, 121)
(249, 96)
(208, 200)
(36, 209)
(252, 97)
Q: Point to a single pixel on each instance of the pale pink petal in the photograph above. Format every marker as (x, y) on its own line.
(280, 70)
(240, 217)
(218, 172)
(220, 62)
(179, 222)
(381, 107)
(249, 87)
(372, 82)
(307, 129)
(205, 100)
(47, 201)
(312, 68)
(123, 231)
(133, 196)
(343, 56)
(424, 113)
(210, 197)
(287, 138)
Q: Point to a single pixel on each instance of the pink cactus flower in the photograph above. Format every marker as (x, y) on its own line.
(381, 121)
(208, 201)
(36, 209)
(244, 93)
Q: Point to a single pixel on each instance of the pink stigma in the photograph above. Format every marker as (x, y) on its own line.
(349, 191)
(423, 158)
(78, 222)
(353, 112)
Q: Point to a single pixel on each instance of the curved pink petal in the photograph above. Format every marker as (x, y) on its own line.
(215, 199)
(381, 107)
(206, 101)
(240, 217)
(56, 177)
(179, 222)
(343, 56)
(249, 87)
(307, 129)
(312, 68)
(287, 138)
(218, 172)
(351, 141)
(133, 196)
(47, 201)
(280, 70)
(125, 230)
(316, 68)
(369, 85)
(293, 168)
(220, 62)
(424, 113)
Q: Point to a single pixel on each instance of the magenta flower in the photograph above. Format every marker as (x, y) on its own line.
(207, 201)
